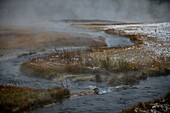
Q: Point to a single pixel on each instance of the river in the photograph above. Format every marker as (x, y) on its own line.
(111, 101)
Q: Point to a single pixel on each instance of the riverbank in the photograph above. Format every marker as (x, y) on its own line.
(122, 65)
(112, 98)
(19, 99)
(17, 41)
(161, 105)
(122, 74)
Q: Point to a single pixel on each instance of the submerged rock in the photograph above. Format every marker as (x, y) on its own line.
(95, 90)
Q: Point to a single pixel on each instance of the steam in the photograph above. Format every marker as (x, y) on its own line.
(29, 11)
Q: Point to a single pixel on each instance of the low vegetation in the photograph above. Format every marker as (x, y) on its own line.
(74, 62)
(16, 41)
(112, 61)
(20, 99)
(19, 39)
(114, 66)
(145, 58)
(159, 105)
(98, 78)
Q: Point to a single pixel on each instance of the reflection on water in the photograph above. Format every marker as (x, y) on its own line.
(111, 40)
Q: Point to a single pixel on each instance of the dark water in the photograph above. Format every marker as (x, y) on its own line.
(115, 101)
(112, 101)
(10, 74)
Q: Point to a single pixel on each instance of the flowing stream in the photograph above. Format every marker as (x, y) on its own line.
(114, 100)
(111, 100)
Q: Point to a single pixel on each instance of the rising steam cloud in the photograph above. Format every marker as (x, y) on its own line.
(21, 11)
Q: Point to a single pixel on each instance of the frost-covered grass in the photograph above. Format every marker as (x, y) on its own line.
(159, 105)
(153, 49)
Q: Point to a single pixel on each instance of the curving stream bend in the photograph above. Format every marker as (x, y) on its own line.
(112, 101)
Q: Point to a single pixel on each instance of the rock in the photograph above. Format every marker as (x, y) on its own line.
(95, 90)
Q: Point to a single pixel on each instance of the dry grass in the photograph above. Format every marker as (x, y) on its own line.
(57, 64)
(75, 62)
(20, 99)
(82, 78)
(98, 61)
(144, 57)
(15, 38)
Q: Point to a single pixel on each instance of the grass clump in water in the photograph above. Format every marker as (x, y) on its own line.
(126, 80)
(98, 78)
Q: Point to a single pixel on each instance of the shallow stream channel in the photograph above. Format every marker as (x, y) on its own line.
(109, 99)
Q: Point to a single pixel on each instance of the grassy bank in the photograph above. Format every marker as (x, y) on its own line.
(76, 62)
(108, 62)
(150, 56)
(15, 38)
(159, 105)
(16, 41)
(20, 99)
